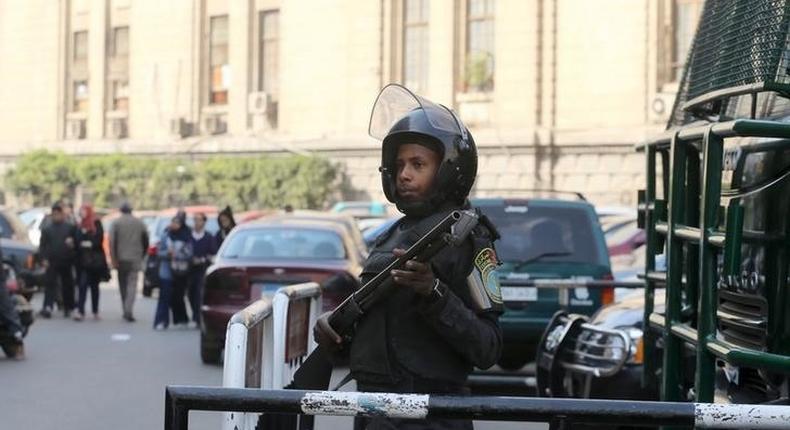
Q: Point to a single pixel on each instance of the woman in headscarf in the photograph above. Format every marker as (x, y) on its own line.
(175, 254)
(226, 224)
(91, 261)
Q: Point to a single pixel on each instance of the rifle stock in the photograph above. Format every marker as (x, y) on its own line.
(316, 371)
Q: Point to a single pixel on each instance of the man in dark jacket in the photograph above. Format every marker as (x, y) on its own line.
(429, 334)
(58, 249)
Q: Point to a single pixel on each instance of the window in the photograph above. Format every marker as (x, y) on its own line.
(120, 42)
(119, 95)
(118, 72)
(479, 53)
(219, 69)
(79, 72)
(415, 44)
(677, 24)
(686, 16)
(80, 49)
(80, 96)
(545, 234)
(269, 45)
(285, 243)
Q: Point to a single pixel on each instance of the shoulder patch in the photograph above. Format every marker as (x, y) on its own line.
(486, 262)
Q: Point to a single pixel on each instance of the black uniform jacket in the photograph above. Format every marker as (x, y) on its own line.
(434, 343)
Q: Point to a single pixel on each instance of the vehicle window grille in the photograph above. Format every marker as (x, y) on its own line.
(743, 319)
(738, 43)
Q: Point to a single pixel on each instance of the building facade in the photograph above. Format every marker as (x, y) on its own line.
(556, 92)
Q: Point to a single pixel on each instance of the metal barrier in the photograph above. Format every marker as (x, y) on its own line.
(267, 341)
(180, 400)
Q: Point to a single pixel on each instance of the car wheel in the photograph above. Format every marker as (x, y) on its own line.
(210, 351)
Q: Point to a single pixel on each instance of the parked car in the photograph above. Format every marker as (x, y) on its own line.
(23, 265)
(259, 257)
(361, 209)
(345, 221)
(156, 227)
(623, 235)
(32, 219)
(599, 357)
(544, 239)
(12, 227)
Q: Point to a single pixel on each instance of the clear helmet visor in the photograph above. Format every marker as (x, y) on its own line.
(396, 101)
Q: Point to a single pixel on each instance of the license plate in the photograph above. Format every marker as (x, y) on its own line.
(519, 294)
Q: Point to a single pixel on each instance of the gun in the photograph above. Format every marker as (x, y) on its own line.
(316, 371)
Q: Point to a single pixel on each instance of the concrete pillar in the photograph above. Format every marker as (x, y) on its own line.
(97, 67)
(441, 40)
(240, 40)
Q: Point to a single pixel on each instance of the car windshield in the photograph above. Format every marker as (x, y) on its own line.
(543, 233)
(285, 243)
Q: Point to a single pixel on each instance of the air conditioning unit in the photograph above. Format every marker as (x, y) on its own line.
(181, 127)
(259, 103)
(660, 108)
(214, 124)
(75, 128)
(117, 128)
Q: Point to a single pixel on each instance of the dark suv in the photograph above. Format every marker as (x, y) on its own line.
(544, 239)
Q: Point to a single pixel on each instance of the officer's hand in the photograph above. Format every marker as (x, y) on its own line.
(418, 276)
(324, 334)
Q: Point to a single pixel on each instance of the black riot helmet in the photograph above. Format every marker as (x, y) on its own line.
(400, 116)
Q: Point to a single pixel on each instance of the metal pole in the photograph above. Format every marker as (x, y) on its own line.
(706, 312)
(650, 265)
(180, 400)
(673, 347)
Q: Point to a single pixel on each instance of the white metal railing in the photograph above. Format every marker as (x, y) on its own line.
(267, 341)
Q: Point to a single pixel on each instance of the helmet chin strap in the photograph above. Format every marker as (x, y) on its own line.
(420, 208)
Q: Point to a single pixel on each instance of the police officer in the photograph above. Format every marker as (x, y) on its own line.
(442, 320)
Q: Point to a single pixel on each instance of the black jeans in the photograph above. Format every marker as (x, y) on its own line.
(89, 279)
(59, 275)
(177, 304)
(197, 276)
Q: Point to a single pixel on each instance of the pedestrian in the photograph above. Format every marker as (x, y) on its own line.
(91, 261)
(226, 224)
(128, 245)
(175, 255)
(204, 248)
(441, 319)
(58, 250)
(10, 317)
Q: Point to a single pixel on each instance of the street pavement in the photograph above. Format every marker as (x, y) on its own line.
(110, 374)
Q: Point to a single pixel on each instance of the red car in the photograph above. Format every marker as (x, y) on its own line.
(259, 257)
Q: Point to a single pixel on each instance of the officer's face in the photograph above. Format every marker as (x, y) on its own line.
(417, 166)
